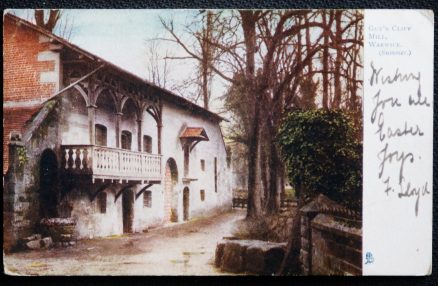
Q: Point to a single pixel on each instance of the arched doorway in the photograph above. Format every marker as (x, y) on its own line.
(170, 192)
(186, 203)
(48, 194)
(128, 210)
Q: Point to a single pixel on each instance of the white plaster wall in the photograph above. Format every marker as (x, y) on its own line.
(131, 126)
(74, 120)
(150, 128)
(175, 120)
(76, 129)
(89, 221)
(145, 217)
(107, 118)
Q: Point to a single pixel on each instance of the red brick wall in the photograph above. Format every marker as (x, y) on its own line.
(14, 120)
(21, 68)
(21, 78)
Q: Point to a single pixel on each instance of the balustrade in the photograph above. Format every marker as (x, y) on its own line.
(110, 163)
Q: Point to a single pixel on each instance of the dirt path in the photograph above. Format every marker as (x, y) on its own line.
(183, 249)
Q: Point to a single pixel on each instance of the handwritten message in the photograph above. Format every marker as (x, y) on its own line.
(398, 135)
(388, 156)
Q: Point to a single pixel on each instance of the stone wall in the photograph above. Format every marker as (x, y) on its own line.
(331, 243)
(21, 182)
(280, 226)
(336, 247)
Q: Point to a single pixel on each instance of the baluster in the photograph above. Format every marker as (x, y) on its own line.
(81, 158)
(70, 158)
(114, 168)
(121, 167)
(85, 160)
(78, 159)
(64, 159)
(105, 163)
(99, 157)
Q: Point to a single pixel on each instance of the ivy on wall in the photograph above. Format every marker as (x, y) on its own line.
(323, 155)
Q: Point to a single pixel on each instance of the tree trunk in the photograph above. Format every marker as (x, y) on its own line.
(276, 173)
(325, 64)
(249, 19)
(265, 176)
(254, 209)
(54, 16)
(291, 261)
(338, 62)
(207, 55)
(308, 44)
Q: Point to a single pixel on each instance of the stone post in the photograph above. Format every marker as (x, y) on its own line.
(140, 135)
(118, 132)
(13, 181)
(91, 123)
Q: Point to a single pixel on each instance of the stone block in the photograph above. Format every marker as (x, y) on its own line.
(264, 257)
(219, 253)
(233, 259)
(46, 242)
(32, 237)
(34, 244)
(65, 237)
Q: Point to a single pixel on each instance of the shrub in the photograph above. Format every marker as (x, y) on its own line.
(323, 155)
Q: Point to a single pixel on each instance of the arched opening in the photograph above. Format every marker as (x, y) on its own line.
(170, 192)
(150, 129)
(101, 135)
(129, 123)
(105, 116)
(186, 203)
(128, 198)
(147, 144)
(48, 194)
(126, 140)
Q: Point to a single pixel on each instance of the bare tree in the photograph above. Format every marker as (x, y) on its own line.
(48, 22)
(157, 65)
(55, 21)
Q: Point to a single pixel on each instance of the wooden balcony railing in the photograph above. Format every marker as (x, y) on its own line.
(110, 163)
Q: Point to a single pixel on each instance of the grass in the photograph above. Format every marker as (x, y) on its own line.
(289, 193)
(37, 264)
(113, 236)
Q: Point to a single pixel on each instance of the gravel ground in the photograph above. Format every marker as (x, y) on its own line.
(178, 249)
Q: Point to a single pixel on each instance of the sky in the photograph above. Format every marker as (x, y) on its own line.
(121, 36)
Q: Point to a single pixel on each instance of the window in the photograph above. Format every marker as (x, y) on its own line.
(147, 199)
(202, 193)
(215, 174)
(101, 202)
(147, 144)
(126, 140)
(203, 165)
(100, 135)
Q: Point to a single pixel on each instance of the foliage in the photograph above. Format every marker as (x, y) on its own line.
(323, 155)
(22, 156)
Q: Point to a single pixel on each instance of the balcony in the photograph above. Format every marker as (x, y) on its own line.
(113, 164)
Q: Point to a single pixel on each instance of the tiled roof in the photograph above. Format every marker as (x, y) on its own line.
(195, 133)
(167, 94)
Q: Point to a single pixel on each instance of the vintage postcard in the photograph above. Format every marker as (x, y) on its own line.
(217, 142)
